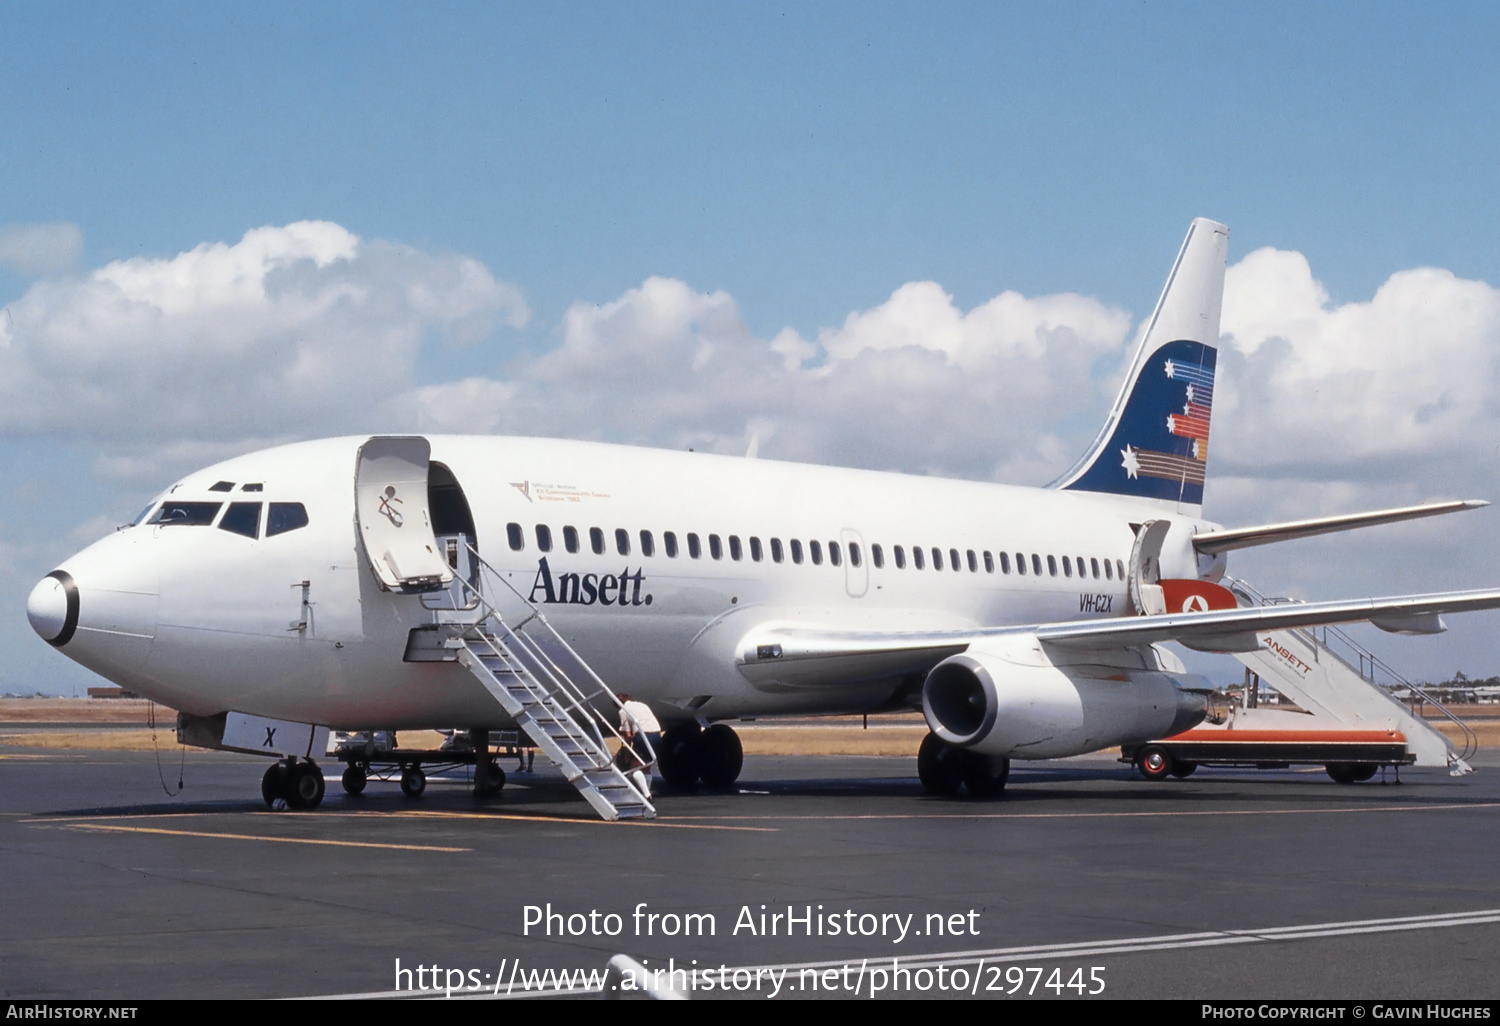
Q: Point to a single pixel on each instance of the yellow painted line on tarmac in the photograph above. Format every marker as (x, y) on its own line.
(582, 820)
(27, 755)
(1446, 807)
(259, 837)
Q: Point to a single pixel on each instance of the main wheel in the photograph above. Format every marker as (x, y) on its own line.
(984, 775)
(354, 779)
(413, 781)
(720, 755)
(1364, 771)
(270, 786)
(1154, 762)
(677, 757)
(305, 786)
(940, 766)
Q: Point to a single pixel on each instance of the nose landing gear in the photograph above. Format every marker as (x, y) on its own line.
(294, 784)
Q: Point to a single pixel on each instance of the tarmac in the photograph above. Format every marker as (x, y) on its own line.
(1082, 881)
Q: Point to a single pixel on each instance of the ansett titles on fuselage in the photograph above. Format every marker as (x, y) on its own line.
(623, 589)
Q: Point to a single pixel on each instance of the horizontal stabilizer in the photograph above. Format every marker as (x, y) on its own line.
(1212, 542)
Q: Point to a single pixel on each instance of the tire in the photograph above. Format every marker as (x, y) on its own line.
(413, 781)
(677, 758)
(497, 779)
(720, 755)
(305, 786)
(1154, 762)
(1183, 769)
(354, 779)
(984, 775)
(270, 786)
(939, 765)
(1350, 772)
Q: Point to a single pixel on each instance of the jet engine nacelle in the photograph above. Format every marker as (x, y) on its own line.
(1014, 697)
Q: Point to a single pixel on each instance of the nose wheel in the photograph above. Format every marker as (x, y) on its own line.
(290, 784)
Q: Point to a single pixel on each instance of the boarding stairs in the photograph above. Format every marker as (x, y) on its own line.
(550, 691)
(1328, 673)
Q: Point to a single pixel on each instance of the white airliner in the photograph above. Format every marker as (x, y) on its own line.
(358, 583)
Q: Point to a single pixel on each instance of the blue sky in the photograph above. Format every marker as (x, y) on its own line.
(807, 162)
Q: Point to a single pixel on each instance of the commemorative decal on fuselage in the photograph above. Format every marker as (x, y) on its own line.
(622, 589)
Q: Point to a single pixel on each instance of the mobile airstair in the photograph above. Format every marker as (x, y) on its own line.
(552, 693)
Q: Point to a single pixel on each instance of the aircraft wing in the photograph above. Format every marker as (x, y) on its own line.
(802, 657)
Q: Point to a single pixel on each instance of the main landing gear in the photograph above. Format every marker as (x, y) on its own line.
(689, 753)
(944, 768)
(297, 784)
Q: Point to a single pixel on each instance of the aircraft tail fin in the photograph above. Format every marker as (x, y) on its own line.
(1155, 443)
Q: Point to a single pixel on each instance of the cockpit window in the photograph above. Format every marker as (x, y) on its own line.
(242, 518)
(221, 486)
(254, 486)
(284, 517)
(141, 517)
(186, 514)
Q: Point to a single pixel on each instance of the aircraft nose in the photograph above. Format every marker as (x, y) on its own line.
(52, 608)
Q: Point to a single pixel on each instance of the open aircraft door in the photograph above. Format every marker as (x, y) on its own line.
(390, 504)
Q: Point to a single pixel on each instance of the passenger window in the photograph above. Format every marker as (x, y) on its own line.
(570, 539)
(1005, 562)
(853, 554)
(284, 517)
(736, 553)
(834, 556)
(989, 562)
(1021, 563)
(1067, 567)
(242, 518)
(1052, 565)
(953, 560)
(1120, 569)
(937, 558)
(670, 538)
(900, 557)
(1094, 565)
(1083, 568)
(715, 546)
(796, 551)
(1036, 564)
(695, 548)
(755, 550)
(544, 537)
(186, 514)
(776, 550)
(596, 541)
(916, 557)
(648, 544)
(622, 541)
(815, 550)
(1109, 573)
(515, 536)
(877, 556)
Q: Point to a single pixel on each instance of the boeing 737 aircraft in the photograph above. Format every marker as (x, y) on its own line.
(403, 582)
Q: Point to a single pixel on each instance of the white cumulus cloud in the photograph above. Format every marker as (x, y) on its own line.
(293, 330)
(913, 383)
